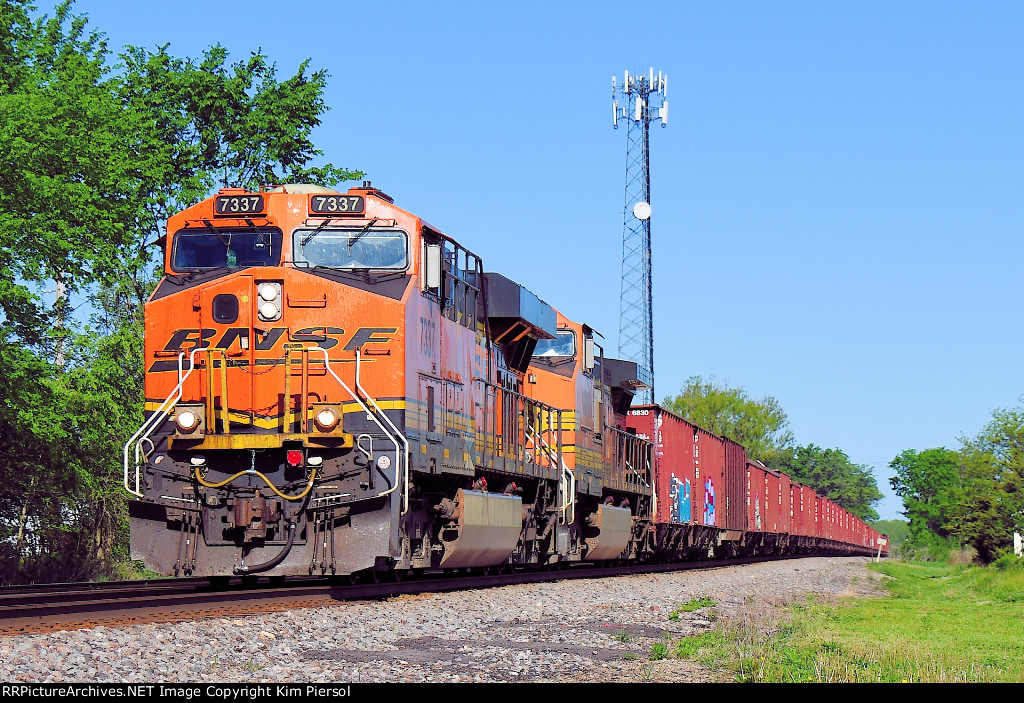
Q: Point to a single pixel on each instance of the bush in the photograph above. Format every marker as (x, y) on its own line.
(942, 550)
(1009, 562)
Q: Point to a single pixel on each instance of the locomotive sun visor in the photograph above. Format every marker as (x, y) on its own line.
(517, 318)
(627, 375)
(624, 378)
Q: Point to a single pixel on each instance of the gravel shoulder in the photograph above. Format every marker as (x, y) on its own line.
(596, 630)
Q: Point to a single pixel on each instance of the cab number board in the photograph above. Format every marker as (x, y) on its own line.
(234, 205)
(336, 204)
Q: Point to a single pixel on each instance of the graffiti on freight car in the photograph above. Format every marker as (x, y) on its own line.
(709, 502)
(682, 510)
(757, 512)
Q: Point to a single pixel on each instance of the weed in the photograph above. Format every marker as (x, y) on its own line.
(623, 636)
(690, 606)
(688, 647)
(659, 650)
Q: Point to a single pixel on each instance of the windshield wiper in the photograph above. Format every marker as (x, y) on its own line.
(306, 240)
(264, 238)
(553, 361)
(226, 241)
(363, 231)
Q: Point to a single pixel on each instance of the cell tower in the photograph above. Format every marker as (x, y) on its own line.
(643, 100)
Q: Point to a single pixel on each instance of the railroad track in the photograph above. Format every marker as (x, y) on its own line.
(44, 608)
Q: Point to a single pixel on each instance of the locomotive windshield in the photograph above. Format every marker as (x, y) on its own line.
(210, 248)
(564, 344)
(356, 248)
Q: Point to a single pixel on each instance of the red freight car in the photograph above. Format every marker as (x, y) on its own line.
(734, 485)
(699, 480)
(802, 500)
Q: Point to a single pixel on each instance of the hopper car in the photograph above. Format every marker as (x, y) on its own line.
(336, 387)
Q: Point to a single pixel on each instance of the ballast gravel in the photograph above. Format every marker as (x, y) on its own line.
(566, 631)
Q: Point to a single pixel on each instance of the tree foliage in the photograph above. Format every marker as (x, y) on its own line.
(96, 152)
(898, 531)
(67, 147)
(992, 502)
(759, 425)
(929, 483)
(831, 474)
(974, 496)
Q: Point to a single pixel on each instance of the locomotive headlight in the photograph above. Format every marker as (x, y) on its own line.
(269, 299)
(326, 420)
(269, 292)
(269, 311)
(186, 420)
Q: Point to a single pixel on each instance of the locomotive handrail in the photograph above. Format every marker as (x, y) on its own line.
(399, 458)
(567, 480)
(568, 496)
(152, 422)
(621, 451)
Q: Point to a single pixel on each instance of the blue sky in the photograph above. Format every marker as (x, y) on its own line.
(837, 197)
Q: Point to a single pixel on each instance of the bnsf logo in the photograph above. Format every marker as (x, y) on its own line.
(188, 339)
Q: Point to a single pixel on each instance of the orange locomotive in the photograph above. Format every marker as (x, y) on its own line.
(334, 386)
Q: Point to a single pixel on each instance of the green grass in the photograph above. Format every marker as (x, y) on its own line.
(938, 624)
(709, 648)
(692, 605)
(659, 650)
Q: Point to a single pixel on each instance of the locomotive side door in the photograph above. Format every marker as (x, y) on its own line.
(431, 427)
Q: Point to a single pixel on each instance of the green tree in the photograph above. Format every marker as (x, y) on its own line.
(67, 148)
(930, 485)
(991, 505)
(96, 155)
(831, 474)
(62, 512)
(898, 531)
(759, 425)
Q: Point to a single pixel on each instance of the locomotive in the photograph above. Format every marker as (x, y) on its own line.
(335, 387)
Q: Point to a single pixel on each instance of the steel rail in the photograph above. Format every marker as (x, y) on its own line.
(27, 609)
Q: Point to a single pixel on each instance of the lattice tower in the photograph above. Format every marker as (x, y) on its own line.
(643, 100)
